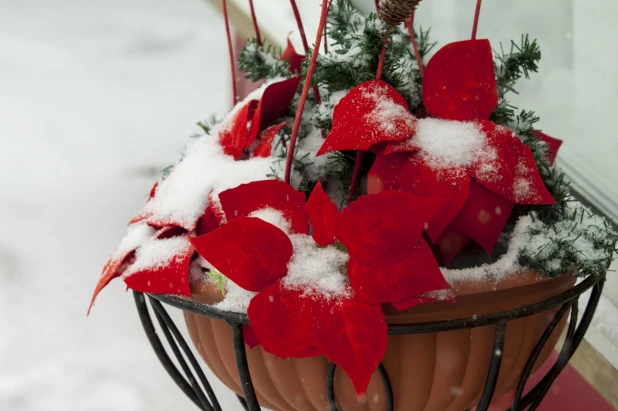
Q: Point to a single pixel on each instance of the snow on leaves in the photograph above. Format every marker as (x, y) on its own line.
(370, 113)
(243, 126)
(304, 307)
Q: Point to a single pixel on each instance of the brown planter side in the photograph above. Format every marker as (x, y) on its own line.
(428, 372)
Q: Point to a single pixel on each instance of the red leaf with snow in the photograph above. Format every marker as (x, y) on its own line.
(508, 168)
(483, 216)
(380, 229)
(405, 146)
(233, 134)
(291, 56)
(243, 200)
(417, 274)
(249, 251)
(451, 184)
(384, 172)
(265, 142)
(353, 335)
(459, 81)
(323, 213)
(282, 320)
(370, 113)
(446, 296)
(137, 235)
(164, 277)
(110, 271)
(553, 145)
(452, 241)
(273, 104)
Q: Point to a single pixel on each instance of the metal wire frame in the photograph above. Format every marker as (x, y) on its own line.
(195, 385)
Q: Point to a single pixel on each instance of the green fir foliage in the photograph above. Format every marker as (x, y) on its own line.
(259, 64)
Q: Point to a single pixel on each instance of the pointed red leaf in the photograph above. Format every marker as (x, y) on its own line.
(483, 216)
(451, 184)
(233, 134)
(370, 113)
(249, 335)
(136, 236)
(417, 274)
(380, 229)
(384, 172)
(249, 251)
(153, 190)
(243, 200)
(459, 81)
(282, 320)
(508, 168)
(353, 335)
(161, 267)
(452, 241)
(265, 142)
(323, 213)
(273, 104)
(307, 353)
(208, 222)
(291, 56)
(553, 145)
(426, 298)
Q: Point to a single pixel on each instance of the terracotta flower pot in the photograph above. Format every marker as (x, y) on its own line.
(428, 372)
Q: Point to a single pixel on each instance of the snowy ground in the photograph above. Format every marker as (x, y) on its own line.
(94, 97)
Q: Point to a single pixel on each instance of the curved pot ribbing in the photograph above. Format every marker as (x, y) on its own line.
(428, 372)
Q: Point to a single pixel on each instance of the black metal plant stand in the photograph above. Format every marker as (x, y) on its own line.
(193, 382)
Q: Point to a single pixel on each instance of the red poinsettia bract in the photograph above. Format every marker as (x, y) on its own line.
(459, 91)
(389, 262)
(245, 132)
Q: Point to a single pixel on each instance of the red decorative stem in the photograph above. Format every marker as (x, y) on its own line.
(409, 25)
(299, 23)
(303, 96)
(231, 51)
(476, 18)
(381, 61)
(359, 155)
(377, 5)
(303, 37)
(256, 27)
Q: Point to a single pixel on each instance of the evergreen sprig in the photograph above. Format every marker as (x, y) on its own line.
(259, 64)
(509, 67)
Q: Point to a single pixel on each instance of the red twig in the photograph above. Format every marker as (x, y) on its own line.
(409, 23)
(303, 96)
(381, 62)
(359, 154)
(299, 23)
(231, 51)
(255, 24)
(476, 18)
(303, 37)
(377, 5)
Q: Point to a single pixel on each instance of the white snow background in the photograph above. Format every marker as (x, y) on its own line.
(94, 96)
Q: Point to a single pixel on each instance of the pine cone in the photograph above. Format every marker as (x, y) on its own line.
(395, 12)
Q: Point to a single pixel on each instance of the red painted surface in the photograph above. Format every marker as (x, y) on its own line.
(570, 392)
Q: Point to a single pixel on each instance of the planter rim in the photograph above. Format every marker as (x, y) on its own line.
(478, 298)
